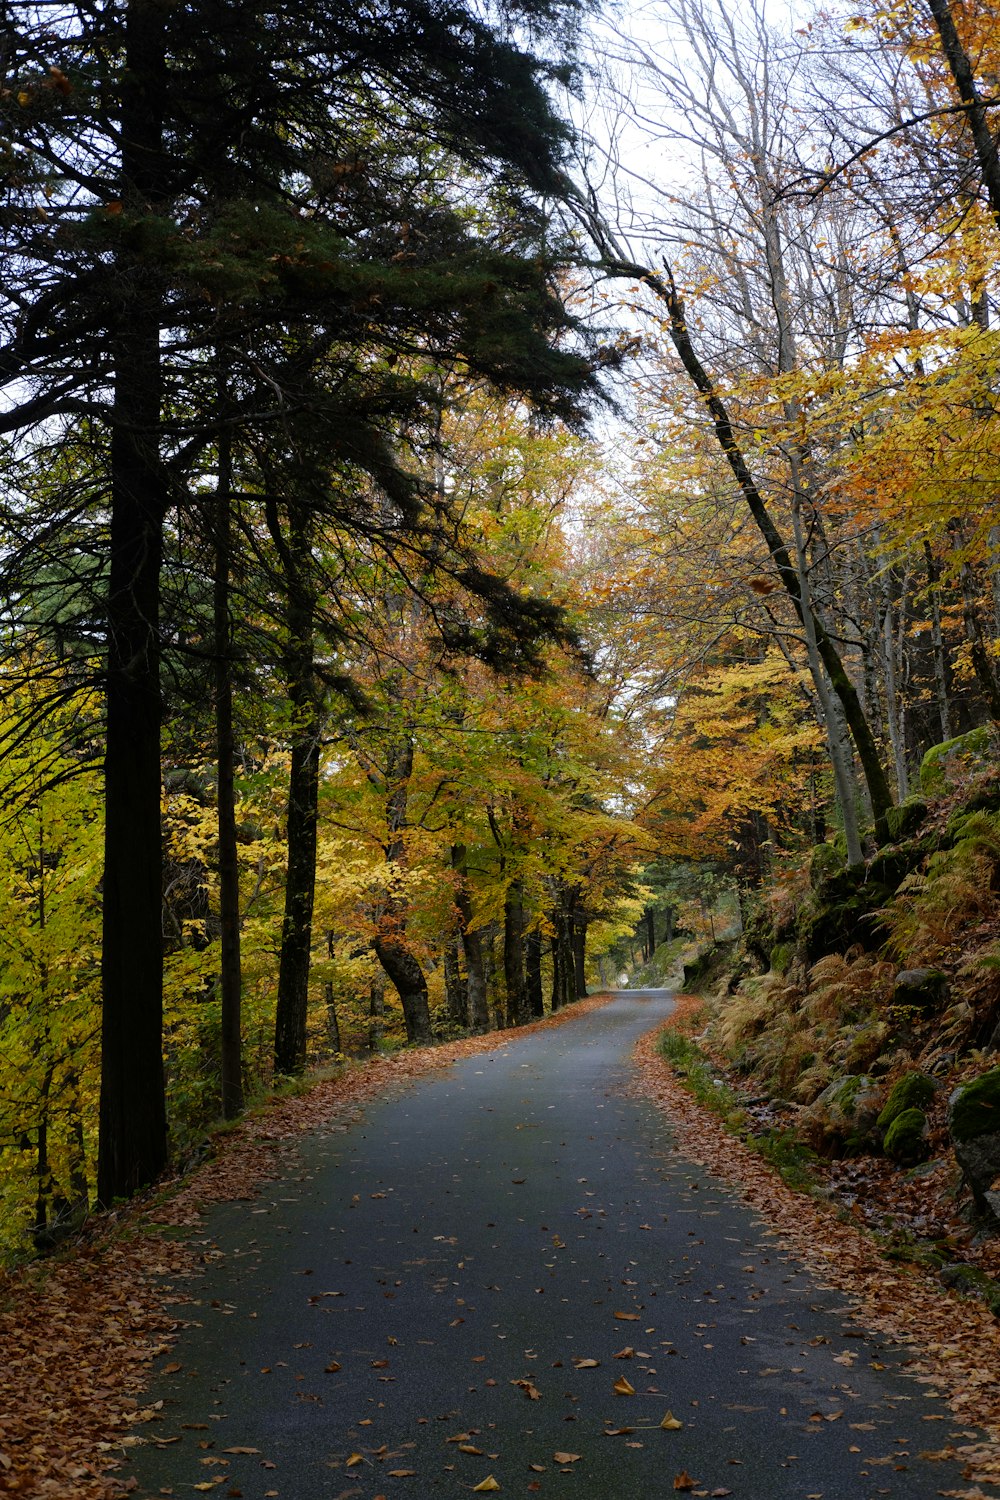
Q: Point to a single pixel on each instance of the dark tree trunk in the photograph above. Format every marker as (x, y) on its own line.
(376, 1011)
(230, 971)
(472, 945)
(390, 944)
(513, 955)
(533, 973)
(651, 930)
(578, 938)
(133, 1129)
(332, 1019)
(303, 799)
(456, 988)
(563, 964)
(404, 970)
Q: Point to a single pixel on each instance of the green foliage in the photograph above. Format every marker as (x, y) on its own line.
(975, 1110)
(973, 746)
(906, 1137)
(912, 1091)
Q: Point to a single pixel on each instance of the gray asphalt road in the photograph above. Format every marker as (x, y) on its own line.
(453, 1289)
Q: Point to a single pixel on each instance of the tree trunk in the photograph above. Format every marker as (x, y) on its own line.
(376, 1011)
(303, 800)
(472, 945)
(456, 988)
(513, 954)
(332, 1019)
(133, 1127)
(836, 734)
(665, 289)
(961, 70)
(403, 968)
(533, 973)
(230, 972)
(578, 938)
(941, 665)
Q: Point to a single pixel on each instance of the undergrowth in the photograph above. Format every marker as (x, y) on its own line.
(782, 1149)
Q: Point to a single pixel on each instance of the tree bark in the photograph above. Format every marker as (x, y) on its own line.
(513, 954)
(133, 1130)
(472, 945)
(230, 971)
(533, 974)
(961, 70)
(390, 944)
(303, 800)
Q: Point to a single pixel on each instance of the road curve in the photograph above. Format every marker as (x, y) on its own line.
(506, 1272)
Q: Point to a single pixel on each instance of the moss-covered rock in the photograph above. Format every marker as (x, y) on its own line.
(904, 820)
(974, 1107)
(912, 1091)
(921, 989)
(843, 911)
(841, 1120)
(974, 1123)
(906, 1138)
(825, 860)
(973, 746)
(781, 957)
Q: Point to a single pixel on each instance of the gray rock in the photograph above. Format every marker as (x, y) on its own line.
(974, 1126)
(921, 988)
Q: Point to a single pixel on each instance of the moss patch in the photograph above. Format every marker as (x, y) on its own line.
(975, 1107)
(906, 1138)
(912, 1091)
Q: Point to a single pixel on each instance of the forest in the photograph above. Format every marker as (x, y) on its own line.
(485, 489)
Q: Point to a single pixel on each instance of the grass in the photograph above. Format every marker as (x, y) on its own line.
(783, 1150)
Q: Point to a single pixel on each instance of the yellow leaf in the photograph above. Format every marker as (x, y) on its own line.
(355, 1458)
(670, 1423)
(489, 1483)
(586, 1364)
(623, 1387)
(626, 1317)
(470, 1448)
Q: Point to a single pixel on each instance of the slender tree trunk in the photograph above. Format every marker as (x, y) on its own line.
(472, 945)
(230, 971)
(578, 939)
(376, 1011)
(533, 973)
(456, 988)
(941, 673)
(961, 70)
(332, 1019)
(292, 1011)
(133, 1129)
(664, 288)
(390, 943)
(837, 741)
(513, 954)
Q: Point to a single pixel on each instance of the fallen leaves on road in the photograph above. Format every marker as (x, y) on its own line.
(958, 1347)
(102, 1309)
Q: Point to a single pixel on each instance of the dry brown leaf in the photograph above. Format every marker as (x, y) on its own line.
(586, 1364)
(623, 1387)
(670, 1423)
(489, 1483)
(566, 1458)
(627, 1317)
(683, 1481)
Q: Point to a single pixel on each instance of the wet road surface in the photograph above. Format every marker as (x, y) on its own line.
(452, 1289)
